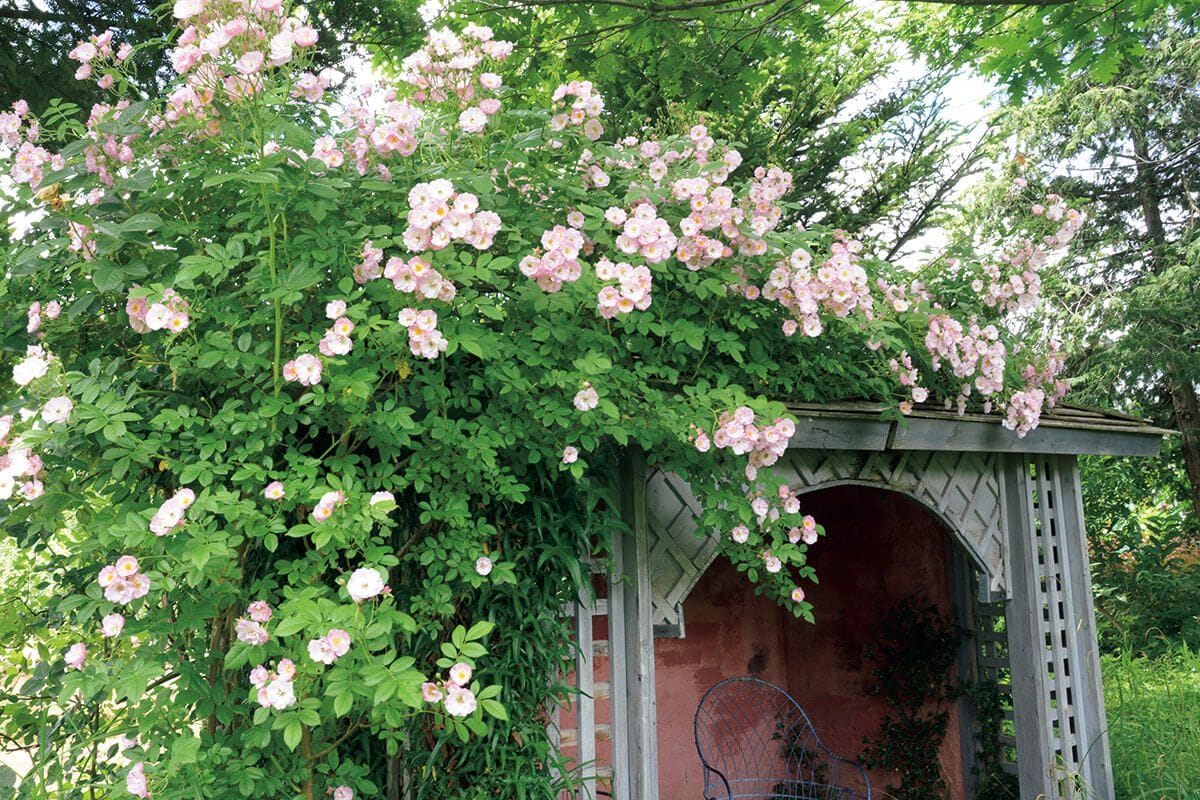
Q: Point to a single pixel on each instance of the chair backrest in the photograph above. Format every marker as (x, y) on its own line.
(756, 735)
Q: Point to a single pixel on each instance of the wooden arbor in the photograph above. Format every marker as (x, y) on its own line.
(1013, 504)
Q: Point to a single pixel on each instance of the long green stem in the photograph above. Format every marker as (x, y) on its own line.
(271, 267)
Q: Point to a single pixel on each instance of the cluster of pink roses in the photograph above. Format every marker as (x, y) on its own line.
(768, 187)
(311, 86)
(10, 126)
(228, 45)
(448, 65)
(170, 515)
(972, 352)
(453, 694)
(304, 369)
(37, 311)
(438, 216)
(325, 149)
(738, 432)
(384, 130)
(326, 505)
(36, 364)
(424, 338)
(108, 151)
(1018, 284)
(644, 233)
(632, 290)
(95, 52)
(17, 463)
(1023, 410)
(558, 263)
(330, 647)
(908, 376)
(169, 313)
(369, 268)
(275, 687)
(839, 286)
(123, 581)
(336, 341)
(250, 628)
(417, 276)
(769, 510)
(585, 109)
(30, 159)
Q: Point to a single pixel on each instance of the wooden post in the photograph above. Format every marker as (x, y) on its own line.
(1026, 642)
(1095, 762)
(635, 726)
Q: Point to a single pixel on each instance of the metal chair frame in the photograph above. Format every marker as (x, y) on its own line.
(742, 762)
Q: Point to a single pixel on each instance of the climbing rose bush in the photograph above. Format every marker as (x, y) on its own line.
(318, 385)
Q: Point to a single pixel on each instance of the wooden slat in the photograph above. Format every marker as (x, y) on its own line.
(1031, 712)
(619, 670)
(990, 437)
(641, 722)
(832, 433)
(585, 705)
(1093, 726)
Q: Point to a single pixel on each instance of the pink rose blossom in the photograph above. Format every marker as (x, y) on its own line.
(570, 455)
(459, 702)
(112, 625)
(483, 566)
(76, 656)
(364, 583)
(586, 398)
(135, 780)
(460, 674)
(259, 611)
(274, 491)
(251, 632)
(57, 409)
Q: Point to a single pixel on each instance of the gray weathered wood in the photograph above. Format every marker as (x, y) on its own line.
(1026, 645)
(963, 594)
(832, 433)
(1089, 695)
(585, 704)
(1057, 614)
(618, 665)
(991, 437)
(641, 727)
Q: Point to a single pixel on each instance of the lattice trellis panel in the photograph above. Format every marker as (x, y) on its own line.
(991, 658)
(678, 556)
(963, 488)
(1058, 694)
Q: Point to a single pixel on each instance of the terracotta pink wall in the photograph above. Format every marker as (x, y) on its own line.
(880, 547)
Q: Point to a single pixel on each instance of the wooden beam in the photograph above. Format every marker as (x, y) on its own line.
(1026, 644)
(938, 434)
(1089, 687)
(641, 725)
(833, 433)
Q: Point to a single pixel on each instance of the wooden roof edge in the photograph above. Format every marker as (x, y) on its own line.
(1062, 416)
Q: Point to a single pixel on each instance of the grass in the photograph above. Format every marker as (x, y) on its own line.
(1154, 724)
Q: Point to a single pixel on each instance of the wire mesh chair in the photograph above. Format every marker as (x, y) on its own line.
(755, 741)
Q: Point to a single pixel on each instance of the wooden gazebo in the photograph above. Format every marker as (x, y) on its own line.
(1020, 580)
